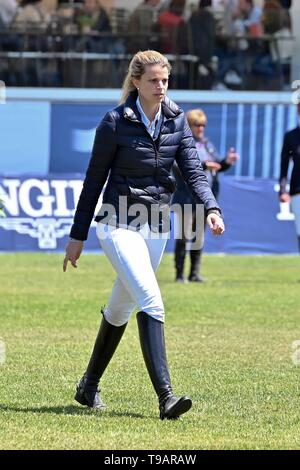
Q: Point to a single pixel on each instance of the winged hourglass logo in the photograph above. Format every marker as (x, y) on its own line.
(40, 208)
(46, 230)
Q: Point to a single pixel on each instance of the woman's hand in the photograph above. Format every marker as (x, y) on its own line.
(213, 166)
(216, 224)
(73, 252)
(284, 197)
(232, 156)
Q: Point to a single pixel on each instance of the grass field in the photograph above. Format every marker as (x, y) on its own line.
(229, 344)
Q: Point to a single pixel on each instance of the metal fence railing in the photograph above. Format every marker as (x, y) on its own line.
(101, 60)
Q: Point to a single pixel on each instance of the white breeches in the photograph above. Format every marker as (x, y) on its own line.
(135, 256)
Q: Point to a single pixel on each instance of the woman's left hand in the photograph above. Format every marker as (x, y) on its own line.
(232, 156)
(216, 224)
(73, 252)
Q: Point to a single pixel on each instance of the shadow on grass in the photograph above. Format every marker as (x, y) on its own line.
(72, 410)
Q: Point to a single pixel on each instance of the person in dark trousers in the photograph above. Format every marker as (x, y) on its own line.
(134, 149)
(212, 165)
(291, 152)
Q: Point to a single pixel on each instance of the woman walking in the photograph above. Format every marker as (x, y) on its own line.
(134, 150)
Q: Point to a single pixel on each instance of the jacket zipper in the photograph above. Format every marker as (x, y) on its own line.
(153, 143)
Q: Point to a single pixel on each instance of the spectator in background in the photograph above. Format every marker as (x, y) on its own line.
(8, 9)
(169, 22)
(143, 21)
(251, 22)
(230, 63)
(35, 17)
(34, 14)
(272, 61)
(93, 23)
(281, 48)
(286, 5)
(92, 18)
(231, 12)
(291, 152)
(201, 35)
(212, 165)
(273, 16)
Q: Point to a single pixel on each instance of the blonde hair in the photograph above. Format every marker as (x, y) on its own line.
(137, 68)
(196, 115)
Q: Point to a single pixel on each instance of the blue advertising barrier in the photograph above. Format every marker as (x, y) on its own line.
(256, 223)
(25, 137)
(73, 128)
(255, 130)
(39, 214)
(43, 138)
(46, 136)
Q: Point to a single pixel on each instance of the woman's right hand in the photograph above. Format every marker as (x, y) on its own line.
(73, 252)
(213, 166)
(284, 197)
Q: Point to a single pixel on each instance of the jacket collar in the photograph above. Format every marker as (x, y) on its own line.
(130, 108)
(169, 108)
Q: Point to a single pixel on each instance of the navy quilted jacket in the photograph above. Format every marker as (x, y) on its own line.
(137, 166)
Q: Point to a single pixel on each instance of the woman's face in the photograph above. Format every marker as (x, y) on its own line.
(153, 84)
(198, 128)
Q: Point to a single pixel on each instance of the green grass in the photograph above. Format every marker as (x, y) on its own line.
(229, 347)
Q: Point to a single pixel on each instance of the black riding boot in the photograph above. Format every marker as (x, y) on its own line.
(179, 259)
(152, 340)
(195, 266)
(106, 343)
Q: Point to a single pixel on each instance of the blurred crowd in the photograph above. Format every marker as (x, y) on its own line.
(233, 44)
